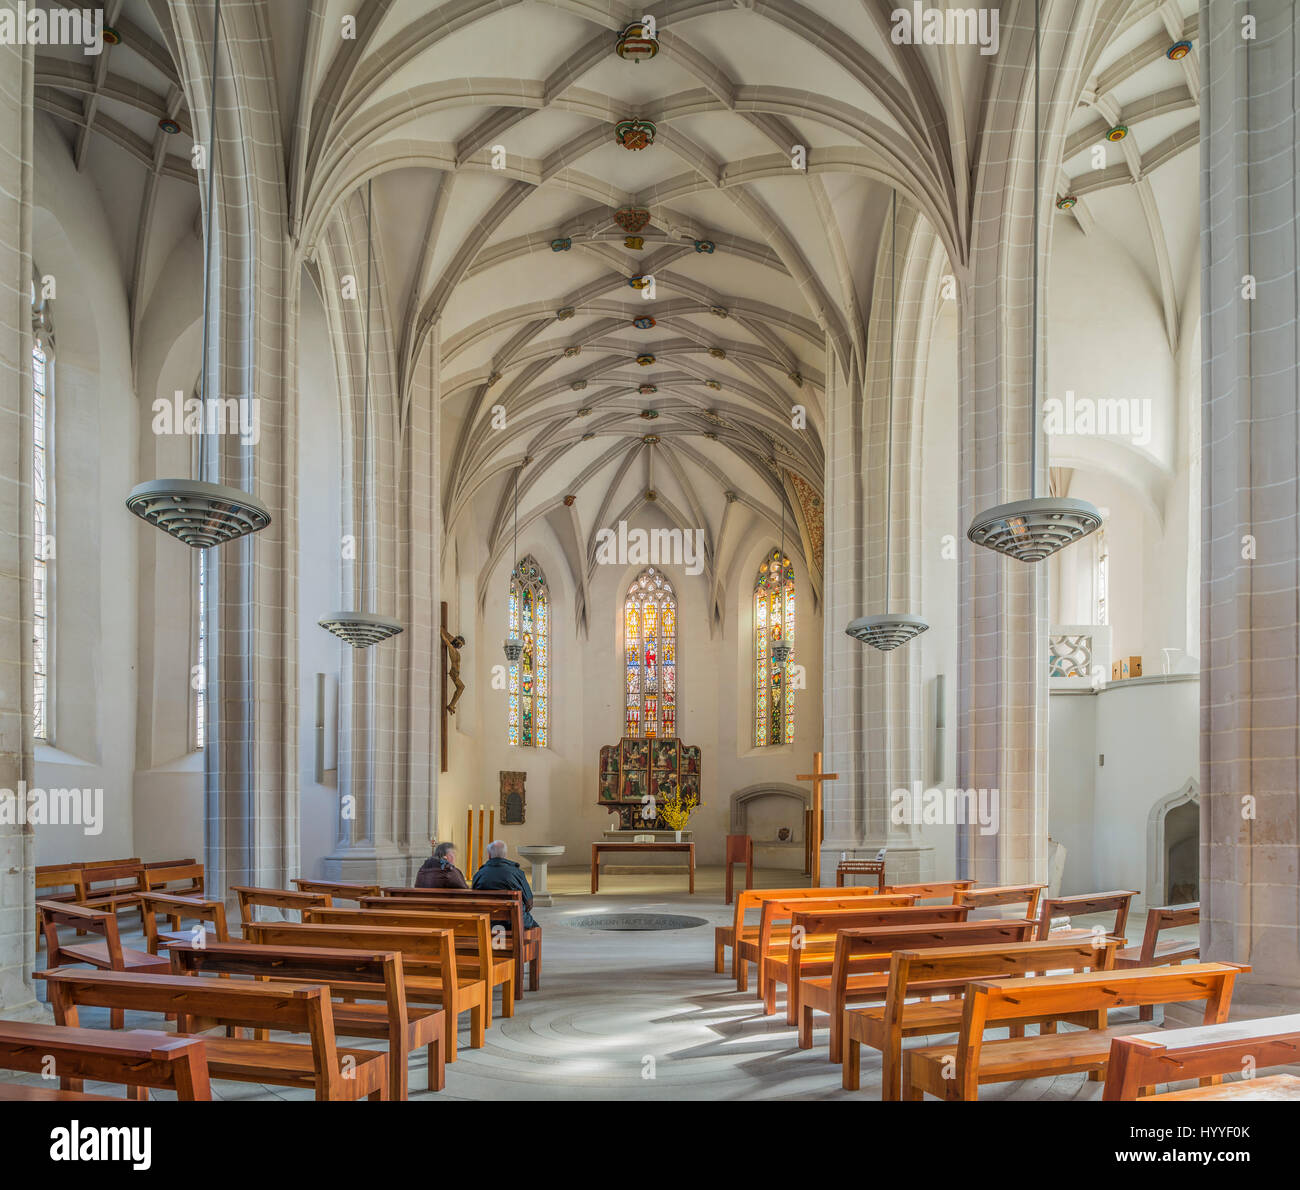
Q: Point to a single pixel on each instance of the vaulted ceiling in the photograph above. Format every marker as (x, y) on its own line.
(780, 128)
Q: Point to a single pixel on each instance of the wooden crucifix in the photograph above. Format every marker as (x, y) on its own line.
(451, 647)
(817, 777)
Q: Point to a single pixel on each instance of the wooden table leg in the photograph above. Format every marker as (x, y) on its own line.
(691, 853)
(595, 868)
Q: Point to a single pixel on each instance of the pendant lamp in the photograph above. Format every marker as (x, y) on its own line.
(888, 631)
(199, 513)
(361, 629)
(514, 647)
(1034, 529)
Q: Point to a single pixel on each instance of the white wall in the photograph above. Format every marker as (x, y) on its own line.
(93, 622)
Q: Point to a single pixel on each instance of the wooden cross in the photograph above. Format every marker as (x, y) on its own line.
(817, 777)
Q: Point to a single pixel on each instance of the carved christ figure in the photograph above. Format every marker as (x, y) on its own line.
(454, 645)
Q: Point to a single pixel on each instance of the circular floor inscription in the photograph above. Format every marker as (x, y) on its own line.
(636, 921)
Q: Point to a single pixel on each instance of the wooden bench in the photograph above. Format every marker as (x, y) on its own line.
(428, 962)
(914, 973)
(276, 898)
(58, 882)
(1144, 1061)
(1153, 953)
(138, 1060)
(724, 937)
(957, 1070)
(977, 899)
(362, 974)
(774, 929)
(810, 948)
(934, 890)
(475, 954)
(112, 884)
(202, 1004)
(177, 910)
(108, 955)
(860, 967)
(176, 877)
(337, 890)
(1083, 905)
(861, 867)
(506, 907)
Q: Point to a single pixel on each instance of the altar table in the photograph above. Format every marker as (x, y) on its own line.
(597, 848)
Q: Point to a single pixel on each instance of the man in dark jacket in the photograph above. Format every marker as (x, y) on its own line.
(498, 872)
(440, 870)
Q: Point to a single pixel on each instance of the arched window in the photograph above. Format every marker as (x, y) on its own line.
(774, 609)
(650, 647)
(530, 622)
(42, 507)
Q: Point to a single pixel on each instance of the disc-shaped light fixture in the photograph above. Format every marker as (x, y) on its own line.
(194, 511)
(890, 629)
(360, 628)
(1034, 529)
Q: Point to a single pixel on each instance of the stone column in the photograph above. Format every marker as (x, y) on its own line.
(1250, 493)
(17, 844)
(1002, 712)
(251, 752)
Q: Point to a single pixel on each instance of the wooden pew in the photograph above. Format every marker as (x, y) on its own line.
(915, 972)
(1154, 953)
(64, 883)
(860, 967)
(138, 1060)
(506, 907)
(175, 877)
(934, 890)
(1082, 905)
(474, 952)
(1144, 1061)
(337, 890)
(742, 938)
(112, 884)
(810, 948)
(177, 910)
(276, 898)
(428, 962)
(774, 928)
(201, 1004)
(992, 1002)
(363, 974)
(1003, 894)
(108, 955)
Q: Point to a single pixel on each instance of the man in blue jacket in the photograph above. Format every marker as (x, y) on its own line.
(498, 872)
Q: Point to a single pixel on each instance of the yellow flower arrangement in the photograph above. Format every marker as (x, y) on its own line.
(676, 810)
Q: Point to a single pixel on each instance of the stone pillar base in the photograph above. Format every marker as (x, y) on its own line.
(383, 868)
(912, 864)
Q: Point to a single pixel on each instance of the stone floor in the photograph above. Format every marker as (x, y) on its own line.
(641, 1015)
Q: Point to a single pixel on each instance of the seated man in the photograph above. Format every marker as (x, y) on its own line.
(440, 870)
(498, 872)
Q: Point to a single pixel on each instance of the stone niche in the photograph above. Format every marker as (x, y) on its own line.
(766, 812)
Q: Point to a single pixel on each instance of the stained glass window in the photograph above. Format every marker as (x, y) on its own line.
(530, 623)
(42, 541)
(650, 655)
(774, 608)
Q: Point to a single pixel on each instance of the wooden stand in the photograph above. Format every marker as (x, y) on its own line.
(740, 850)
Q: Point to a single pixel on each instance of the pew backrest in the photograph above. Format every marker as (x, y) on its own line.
(1084, 905)
(337, 890)
(140, 1058)
(1003, 894)
(183, 878)
(153, 905)
(946, 890)
(1145, 1060)
(102, 922)
(472, 930)
(1166, 917)
(754, 898)
(276, 898)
